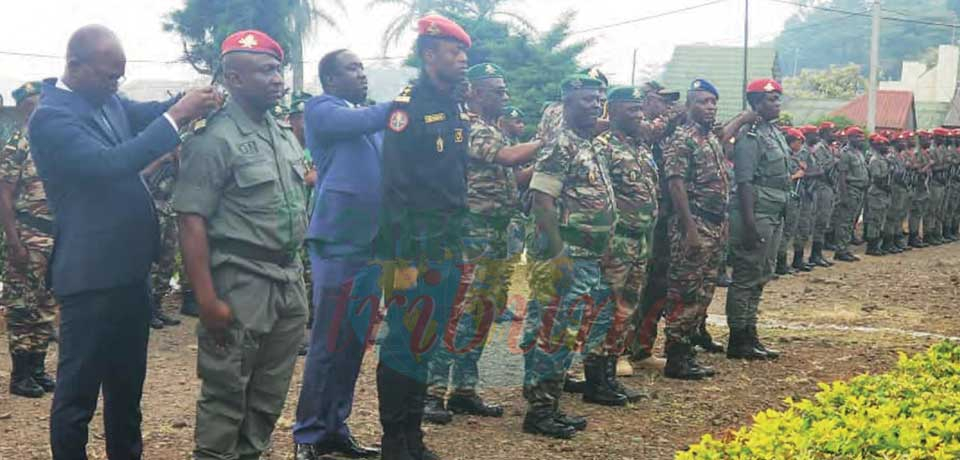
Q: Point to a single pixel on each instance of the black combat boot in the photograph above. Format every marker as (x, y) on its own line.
(816, 256)
(473, 404)
(704, 340)
(914, 241)
(598, 391)
(845, 256)
(741, 346)
(547, 423)
(901, 242)
(393, 390)
(166, 319)
(576, 422)
(890, 245)
(435, 412)
(610, 371)
(755, 339)
(873, 247)
(798, 263)
(21, 377)
(682, 364)
(188, 304)
(933, 240)
(573, 385)
(38, 361)
(782, 267)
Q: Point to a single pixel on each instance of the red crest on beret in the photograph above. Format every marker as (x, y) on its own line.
(438, 26)
(764, 85)
(827, 125)
(852, 130)
(808, 129)
(251, 41)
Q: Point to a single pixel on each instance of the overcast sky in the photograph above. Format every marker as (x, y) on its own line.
(43, 26)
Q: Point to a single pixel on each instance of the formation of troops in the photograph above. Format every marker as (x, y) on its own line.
(630, 203)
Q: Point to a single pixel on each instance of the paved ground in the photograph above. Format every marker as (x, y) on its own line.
(832, 324)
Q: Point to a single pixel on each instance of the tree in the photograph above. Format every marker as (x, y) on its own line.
(820, 38)
(836, 82)
(204, 24)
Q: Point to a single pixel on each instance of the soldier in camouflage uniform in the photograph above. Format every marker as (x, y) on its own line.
(492, 201)
(575, 210)
(791, 222)
(160, 177)
(852, 181)
(938, 187)
(820, 172)
(513, 127)
(699, 188)
(634, 176)
(879, 195)
(808, 204)
(28, 234)
(953, 191)
(893, 240)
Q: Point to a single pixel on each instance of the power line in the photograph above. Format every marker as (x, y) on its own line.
(646, 18)
(855, 13)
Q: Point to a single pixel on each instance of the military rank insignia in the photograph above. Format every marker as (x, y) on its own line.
(458, 136)
(399, 120)
(439, 144)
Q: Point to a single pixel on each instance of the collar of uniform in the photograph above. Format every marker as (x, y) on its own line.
(425, 83)
(245, 125)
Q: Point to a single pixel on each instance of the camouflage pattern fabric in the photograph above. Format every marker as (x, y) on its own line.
(878, 196)
(31, 306)
(795, 206)
(551, 122)
(899, 195)
(920, 193)
(849, 206)
(953, 190)
(938, 188)
(824, 198)
(491, 188)
(161, 188)
(698, 158)
(806, 215)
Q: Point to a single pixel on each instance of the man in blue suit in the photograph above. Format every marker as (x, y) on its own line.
(89, 146)
(344, 138)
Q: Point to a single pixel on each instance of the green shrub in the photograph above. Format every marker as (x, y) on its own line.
(912, 412)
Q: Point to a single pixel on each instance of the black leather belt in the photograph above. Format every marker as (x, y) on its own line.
(253, 252)
(39, 224)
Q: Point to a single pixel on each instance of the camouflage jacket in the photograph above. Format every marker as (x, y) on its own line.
(852, 162)
(825, 161)
(697, 157)
(17, 167)
(491, 188)
(551, 122)
(577, 178)
(634, 179)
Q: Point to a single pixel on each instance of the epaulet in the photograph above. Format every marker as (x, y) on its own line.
(13, 140)
(604, 137)
(405, 95)
(199, 126)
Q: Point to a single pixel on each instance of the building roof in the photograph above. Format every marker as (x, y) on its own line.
(953, 114)
(722, 66)
(895, 110)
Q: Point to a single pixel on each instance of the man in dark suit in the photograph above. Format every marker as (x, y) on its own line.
(345, 140)
(90, 146)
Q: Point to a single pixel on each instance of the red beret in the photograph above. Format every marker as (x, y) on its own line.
(251, 41)
(879, 139)
(941, 132)
(439, 26)
(808, 129)
(827, 125)
(905, 135)
(852, 130)
(795, 133)
(955, 132)
(764, 85)
(924, 133)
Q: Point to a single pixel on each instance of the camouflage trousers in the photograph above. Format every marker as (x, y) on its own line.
(848, 209)
(653, 296)
(485, 284)
(563, 301)
(899, 205)
(691, 278)
(875, 209)
(31, 307)
(953, 203)
(166, 264)
(752, 269)
(935, 208)
(791, 224)
(517, 232)
(624, 267)
(823, 207)
(919, 201)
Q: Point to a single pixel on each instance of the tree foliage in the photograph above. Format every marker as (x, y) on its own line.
(819, 38)
(835, 82)
(204, 24)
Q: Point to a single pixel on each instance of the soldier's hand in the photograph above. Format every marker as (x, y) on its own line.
(692, 242)
(216, 318)
(751, 239)
(19, 257)
(196, 103)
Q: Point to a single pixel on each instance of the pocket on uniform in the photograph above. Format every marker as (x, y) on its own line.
(222, 366)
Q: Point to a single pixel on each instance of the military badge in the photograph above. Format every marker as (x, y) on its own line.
(399, 120)
(458, 135)
(248, 41)
(439, 144)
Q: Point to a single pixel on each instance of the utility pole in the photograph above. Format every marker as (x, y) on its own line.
(633, 70)
(746, 38)
(874, 57)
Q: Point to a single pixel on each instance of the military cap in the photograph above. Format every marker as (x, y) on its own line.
(955, 132)
(905, 135)
(764, 85)
(879, 139)
(434, 25)
(653, 86)
(808, 129)
(484, 71)
(30, 88)
(941, 132)
(827, 126)
(704, 85)
(852, 131)
(512, 112)
(298, 100)
(251, 41)
(579, 81)
(924, 133)
(595, 73)
(795, 133)
(626, 94)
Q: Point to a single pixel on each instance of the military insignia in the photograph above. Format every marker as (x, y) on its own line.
(399, 120)
(696, 84)
(594, 73)
(637, 94)
(28, 87)
(199, 125)
(439, 144)
(458, 135)
(769, 87)
(514, 114)
(434, 118)
(432, 29)
(464, 116)
(248, 147)
(490, 70)
(404, 97)
(248, 41)
(592, 176)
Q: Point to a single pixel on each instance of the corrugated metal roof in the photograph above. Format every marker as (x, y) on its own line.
(895, 110)
(953, 116)
(722, 66)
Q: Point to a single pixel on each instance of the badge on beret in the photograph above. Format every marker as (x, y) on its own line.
(248, 41)
(514, 114)
(399, 120)
(696, 84)
(594, 73)
(637, 94)
(490, 70)
(769, 87)
(432, 29)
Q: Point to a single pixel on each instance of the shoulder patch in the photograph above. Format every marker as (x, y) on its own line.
(405, 95)
(399, 120)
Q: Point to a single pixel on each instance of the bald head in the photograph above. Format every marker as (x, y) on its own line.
(95, 63)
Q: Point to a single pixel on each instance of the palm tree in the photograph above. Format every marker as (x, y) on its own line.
(305, 16)
(413, 9)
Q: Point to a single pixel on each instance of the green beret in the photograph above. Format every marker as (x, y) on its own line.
(30, 88)
(626, 94)
(484, 71)
(297, 101)
(580, 81)
(512, 112)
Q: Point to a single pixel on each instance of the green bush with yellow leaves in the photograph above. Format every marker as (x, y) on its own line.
(912, 412)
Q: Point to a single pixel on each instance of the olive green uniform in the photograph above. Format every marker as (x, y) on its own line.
(247, 180)
(760, 159)
(899, 198)
(938, 187)
(920, 196)
(879, 196)
(852, 166)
